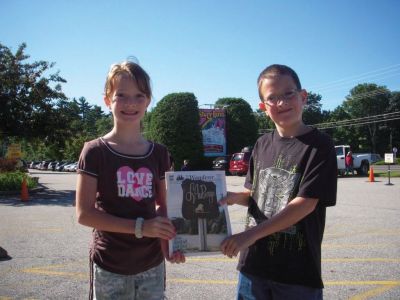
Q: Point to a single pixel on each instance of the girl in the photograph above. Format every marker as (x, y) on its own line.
(120, 182)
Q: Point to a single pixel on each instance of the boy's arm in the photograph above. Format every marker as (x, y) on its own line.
(240, 198)
(296, 210)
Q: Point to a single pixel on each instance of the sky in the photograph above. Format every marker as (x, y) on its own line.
(211, 48)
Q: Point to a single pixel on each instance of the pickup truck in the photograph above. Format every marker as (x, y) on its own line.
(361, 161)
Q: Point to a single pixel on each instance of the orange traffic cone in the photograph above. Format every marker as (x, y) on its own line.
(371, 174)
(24, 191)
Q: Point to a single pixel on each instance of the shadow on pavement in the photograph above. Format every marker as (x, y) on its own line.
(42, 197)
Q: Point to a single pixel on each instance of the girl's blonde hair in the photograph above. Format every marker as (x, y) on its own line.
(134, 71)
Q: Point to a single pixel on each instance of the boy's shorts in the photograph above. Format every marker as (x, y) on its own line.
(255, 288)
(146, 285)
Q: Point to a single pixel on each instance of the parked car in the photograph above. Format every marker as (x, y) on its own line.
(239, 163)
(71, 167)
(34, 164)
(60, 166)
(361, 161)
(222, 163)
(52, 165)
(43, 165)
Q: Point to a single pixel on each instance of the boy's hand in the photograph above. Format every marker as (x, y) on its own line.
(176, 258)
(159, 227)
(233, 244)
(229, 199)
(241, 198)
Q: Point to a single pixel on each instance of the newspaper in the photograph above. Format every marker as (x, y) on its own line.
(193, 207)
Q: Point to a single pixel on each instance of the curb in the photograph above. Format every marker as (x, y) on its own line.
(39, 188)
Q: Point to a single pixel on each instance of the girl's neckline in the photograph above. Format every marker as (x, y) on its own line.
(145, 154)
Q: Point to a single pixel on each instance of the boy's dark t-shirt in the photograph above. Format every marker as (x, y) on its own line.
(126, 188)
(280, 170)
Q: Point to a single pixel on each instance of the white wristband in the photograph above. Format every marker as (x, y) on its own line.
(139, 228)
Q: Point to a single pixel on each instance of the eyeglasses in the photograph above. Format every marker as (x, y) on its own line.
(287, 96)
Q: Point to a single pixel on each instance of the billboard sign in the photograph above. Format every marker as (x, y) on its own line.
(212, 124)
(14, 151)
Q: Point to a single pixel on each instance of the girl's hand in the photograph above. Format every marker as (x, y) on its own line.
(159, 227)
(177, 257)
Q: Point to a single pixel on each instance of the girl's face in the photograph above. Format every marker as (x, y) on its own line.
(127, 102)
(284, 103)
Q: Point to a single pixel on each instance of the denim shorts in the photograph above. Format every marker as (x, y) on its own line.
(255, 288)
(147, 285)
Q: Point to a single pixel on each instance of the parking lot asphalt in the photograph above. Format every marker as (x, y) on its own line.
(49, 251)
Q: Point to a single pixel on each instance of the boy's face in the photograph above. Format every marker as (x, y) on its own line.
(284, 102)
(126, 101)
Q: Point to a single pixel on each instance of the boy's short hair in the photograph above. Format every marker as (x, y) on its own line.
(134, 71)
(276, 70)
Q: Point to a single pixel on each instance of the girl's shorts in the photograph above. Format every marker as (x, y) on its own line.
(146, 285)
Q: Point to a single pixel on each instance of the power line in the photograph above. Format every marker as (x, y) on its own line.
(383, 116)
(359, 124)
(352, 122)
(353, 78)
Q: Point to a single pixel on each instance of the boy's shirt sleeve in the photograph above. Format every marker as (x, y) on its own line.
(319, 179)
(88, 160)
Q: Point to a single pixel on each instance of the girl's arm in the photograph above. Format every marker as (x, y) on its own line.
(89, 215)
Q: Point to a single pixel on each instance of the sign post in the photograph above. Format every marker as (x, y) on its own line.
(389, 160)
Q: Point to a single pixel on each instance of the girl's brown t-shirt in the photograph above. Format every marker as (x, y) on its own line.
(127, 188)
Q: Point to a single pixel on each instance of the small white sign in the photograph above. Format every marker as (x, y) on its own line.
(389, 158)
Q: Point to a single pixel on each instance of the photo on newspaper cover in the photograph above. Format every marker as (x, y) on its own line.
(192, 206)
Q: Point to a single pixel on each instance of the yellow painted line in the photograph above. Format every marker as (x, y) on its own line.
(372, 293)
(211, 259)
(46, 271)
(372, 233)
(338, 246)
(368, 282)
(49, 267)
(202, 281)
(55, 273)
(390, 284)
(376, 259)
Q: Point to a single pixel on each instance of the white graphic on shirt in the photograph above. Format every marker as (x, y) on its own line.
(275, 189)
(135, 184)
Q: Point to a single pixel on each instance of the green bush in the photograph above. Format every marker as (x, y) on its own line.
(11, 181)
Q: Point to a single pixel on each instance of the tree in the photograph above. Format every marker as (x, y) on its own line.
(367, 100)
(264, 124)
(394, 125)
(312, 113)
(27, 95)
(241, 126)
(174, 122)
(342, 135)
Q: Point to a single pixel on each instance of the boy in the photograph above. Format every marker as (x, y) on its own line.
(291, 180)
